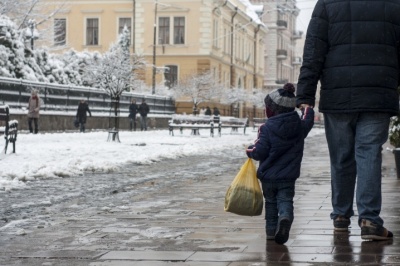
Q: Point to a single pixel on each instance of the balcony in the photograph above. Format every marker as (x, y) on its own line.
(282, 81)
(297, 60)
(297, 34)
(282, 24)
(281, 54)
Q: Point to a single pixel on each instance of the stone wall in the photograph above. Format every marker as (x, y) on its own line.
(62, 122)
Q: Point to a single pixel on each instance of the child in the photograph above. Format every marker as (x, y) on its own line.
(279, 148)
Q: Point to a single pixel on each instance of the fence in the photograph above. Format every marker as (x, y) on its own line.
(16, 92)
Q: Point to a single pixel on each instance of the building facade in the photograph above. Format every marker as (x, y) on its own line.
(176, 37)
(180, 36)
(282, 61)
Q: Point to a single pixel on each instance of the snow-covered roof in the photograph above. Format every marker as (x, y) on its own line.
(251, 10)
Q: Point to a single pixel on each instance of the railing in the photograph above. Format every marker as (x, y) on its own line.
(282, 81)
(282, 24)
(281, 53)
(297, 34)
(297, 61)
(16, 92)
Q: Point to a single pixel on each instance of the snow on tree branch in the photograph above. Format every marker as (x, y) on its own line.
(115, 71)
(199, 88)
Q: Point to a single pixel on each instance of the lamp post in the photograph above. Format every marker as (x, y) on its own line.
(31, 32)
(153, 91)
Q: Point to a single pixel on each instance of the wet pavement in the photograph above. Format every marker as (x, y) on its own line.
(177, 218)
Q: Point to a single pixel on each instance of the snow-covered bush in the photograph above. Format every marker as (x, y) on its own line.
(394, 129)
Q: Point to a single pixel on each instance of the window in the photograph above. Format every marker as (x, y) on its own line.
(179, 30)
(163, 31)
(92, 31)
(215, 34)
(171, 76)
(60, 31)
(124, 22)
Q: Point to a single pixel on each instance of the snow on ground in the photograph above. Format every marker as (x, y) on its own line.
(59, 155)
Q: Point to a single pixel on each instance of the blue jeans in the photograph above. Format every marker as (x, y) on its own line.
(143, 122)
(278, 202)
(82, 127)
(355, 147)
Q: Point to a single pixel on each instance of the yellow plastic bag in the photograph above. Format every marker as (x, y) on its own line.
(244, 195)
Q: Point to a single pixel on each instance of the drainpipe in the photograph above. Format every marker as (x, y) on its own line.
(255, 54)
(134, 26)
(232, 29)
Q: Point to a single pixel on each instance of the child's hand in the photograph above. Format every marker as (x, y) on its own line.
(249, 150)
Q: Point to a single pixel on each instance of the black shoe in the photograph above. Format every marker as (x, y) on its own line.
(270, 234)
(282, 233)
(372, 231)
(341, 223)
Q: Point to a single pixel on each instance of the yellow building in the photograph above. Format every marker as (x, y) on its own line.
(180, 36)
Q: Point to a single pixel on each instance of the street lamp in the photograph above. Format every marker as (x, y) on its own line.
(31, 32)
(153, 91)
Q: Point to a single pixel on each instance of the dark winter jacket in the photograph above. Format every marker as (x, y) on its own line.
(81, 112)
(133, 109)
(279, 146)
(143, 109)
(352, 47)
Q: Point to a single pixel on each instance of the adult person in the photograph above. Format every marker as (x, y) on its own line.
(133, 109)
(33, 111)
(351, 47)
(83, 108)
(202, 111)
(143, 111)
(216, 111)
(208, 111)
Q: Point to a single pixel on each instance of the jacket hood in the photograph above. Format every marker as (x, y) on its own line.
(285, 126)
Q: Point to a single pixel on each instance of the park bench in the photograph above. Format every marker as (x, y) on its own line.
(9, 128)
(233, 122)
(257, 122)
(195, 123)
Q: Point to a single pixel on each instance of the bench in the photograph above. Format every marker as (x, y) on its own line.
(234, 123)
(257, 122)
(195, 123)
(9, 128)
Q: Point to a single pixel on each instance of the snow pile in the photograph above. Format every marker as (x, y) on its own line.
(61, 155)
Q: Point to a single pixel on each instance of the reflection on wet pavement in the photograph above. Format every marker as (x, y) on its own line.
(175, 216)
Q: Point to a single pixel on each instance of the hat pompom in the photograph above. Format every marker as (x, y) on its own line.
(289, 87)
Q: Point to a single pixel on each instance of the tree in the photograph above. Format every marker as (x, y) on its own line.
(199, 88)
(114, 72)
(234, 97)
(39, 12)
(18, 61)
(257, 98)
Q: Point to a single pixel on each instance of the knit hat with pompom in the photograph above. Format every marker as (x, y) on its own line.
(280, 100)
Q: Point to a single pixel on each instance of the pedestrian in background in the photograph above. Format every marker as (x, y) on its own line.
(216, 111)
(133, 109)
(143, 111)
(83, 108)
(352, 48)
(202, 111)
(279, 148)
(208, 111)
(33, 111)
